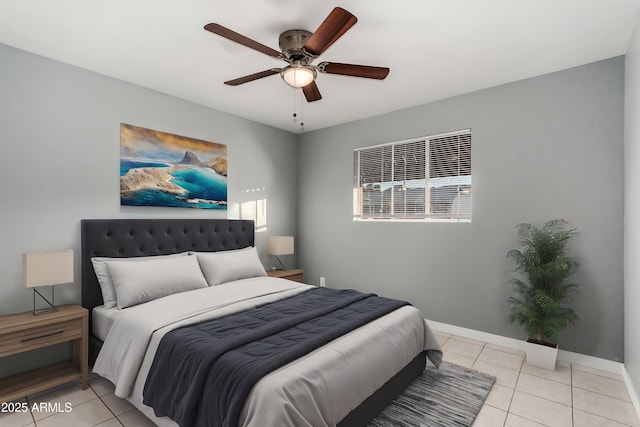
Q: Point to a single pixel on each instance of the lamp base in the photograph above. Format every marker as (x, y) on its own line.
(280, 261)
(52, 308)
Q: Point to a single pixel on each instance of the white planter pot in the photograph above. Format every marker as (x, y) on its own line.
(541, 356)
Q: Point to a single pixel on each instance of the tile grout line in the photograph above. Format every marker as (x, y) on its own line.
(125, 413)
(504, 423)
(476, 359)
(26, 398)
(108, 408)
(515, 387)
(602, 394)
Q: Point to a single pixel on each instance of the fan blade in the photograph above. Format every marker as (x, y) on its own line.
(311, 92)
(239, 38)
(252, 77)
(365, 71)
(331, 29)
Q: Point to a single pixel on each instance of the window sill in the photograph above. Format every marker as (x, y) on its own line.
(437, 220)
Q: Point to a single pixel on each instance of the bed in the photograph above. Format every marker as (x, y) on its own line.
(346, 382)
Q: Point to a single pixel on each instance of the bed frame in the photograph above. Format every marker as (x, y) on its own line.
(119, 238)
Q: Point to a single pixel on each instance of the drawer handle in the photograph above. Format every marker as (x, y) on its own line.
(42, 336)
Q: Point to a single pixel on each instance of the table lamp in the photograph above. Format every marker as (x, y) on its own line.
(280, 245)
(47, 269)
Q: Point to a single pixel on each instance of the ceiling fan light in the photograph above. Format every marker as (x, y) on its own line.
(298, 76)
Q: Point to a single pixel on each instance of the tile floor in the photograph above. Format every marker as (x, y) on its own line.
(523, 396)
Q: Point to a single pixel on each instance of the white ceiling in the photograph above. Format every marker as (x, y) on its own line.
(434, 48)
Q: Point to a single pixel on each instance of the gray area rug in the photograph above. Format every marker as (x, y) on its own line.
(449, 396)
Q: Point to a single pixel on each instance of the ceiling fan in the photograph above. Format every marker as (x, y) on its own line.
(299, 49)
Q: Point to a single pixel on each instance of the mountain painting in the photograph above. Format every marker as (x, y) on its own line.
(162, 169)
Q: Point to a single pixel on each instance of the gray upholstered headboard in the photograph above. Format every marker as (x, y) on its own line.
(145, 237)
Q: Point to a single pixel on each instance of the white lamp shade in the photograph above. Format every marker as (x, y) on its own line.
(280, 245)
(47, 268)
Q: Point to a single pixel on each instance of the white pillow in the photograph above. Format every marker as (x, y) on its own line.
(226, 266)
(104, 279)
(138, 282)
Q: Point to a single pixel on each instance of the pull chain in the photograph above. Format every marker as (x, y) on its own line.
(301, 112)
(295, 114)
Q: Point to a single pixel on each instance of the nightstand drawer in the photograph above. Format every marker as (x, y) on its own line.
(296, 277)
(41, 336)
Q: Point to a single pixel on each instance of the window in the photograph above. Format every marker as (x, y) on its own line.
(425, 179)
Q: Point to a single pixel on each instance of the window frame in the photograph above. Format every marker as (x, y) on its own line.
(427, 215)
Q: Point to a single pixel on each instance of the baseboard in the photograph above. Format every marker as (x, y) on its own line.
(563, 355)
(633, 394)
(591, 362)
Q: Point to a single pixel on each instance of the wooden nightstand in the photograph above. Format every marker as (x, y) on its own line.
(23, 332)
(295, 275)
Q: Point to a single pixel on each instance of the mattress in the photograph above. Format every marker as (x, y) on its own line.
(103, 318)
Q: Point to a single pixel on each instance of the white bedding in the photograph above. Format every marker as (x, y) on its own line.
(102, 320)
(317, 390)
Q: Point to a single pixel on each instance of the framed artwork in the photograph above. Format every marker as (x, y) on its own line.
(162, 169)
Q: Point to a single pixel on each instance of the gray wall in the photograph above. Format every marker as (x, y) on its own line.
(542, 148)
(632, 210)
(59, 161)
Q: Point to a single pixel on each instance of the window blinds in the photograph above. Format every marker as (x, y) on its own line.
(422, 179)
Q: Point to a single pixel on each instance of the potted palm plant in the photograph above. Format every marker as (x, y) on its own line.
(538, 301)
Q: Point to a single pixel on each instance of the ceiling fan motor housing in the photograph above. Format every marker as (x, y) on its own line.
(291, 43)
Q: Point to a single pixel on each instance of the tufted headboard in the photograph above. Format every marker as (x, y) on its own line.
(144, 237)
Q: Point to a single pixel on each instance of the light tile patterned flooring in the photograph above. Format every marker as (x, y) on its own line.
(523, 396)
